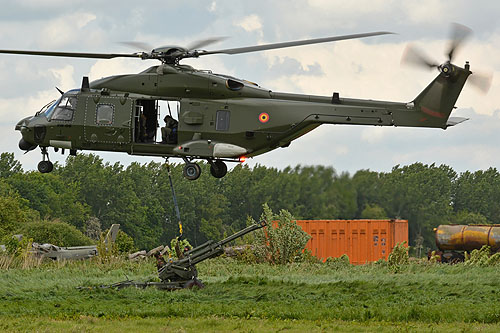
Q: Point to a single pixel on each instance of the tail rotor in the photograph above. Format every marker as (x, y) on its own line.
(413, 56)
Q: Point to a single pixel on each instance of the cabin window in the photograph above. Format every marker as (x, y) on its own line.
(105, 114)
(65, 109)
(222, 123)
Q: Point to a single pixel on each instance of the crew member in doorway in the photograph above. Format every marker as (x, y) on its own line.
(169, 132)
(142, 128)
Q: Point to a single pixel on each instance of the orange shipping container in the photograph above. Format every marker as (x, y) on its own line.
(362, 240)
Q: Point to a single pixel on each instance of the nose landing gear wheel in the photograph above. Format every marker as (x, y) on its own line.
(45, 166)
(218, 169)
(192, 171)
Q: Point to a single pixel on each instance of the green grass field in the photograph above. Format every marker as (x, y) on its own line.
(258, 297)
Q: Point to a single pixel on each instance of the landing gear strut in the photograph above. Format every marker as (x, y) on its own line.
(218, 168)
(45, 165)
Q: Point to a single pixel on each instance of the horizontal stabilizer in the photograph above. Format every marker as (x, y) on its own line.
(452, 121)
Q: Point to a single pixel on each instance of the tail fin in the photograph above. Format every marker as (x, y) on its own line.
(435, 103)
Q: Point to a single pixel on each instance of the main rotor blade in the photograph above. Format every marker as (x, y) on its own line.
(459, 34)
(138, 46)
(273, 46)
(204, 42)
(74, 54)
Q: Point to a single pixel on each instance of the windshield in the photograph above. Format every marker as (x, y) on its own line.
(45, 107)
(66, 101)
(49, 108)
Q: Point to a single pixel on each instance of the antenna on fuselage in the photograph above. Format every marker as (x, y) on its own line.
(85, 84)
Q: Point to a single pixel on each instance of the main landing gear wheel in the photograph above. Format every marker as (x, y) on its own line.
(45, 166)
(192, 171)
(218, 169)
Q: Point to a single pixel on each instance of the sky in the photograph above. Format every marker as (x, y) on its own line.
(365, 68)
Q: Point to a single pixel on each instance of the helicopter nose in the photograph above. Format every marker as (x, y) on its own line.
(25, 145)
(21, 124)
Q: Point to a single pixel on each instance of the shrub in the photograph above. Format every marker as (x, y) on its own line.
(340, 262)
(380, 263)
(93, 228)
(124, 243)
(308, 257)
(494, 259)
(15, 246)
(13, 210)
(105, 252)
(282, 241)
(183, 243)
(398, 258)
(482, 257)
(434, 258)
(247, 255)
(54, 232)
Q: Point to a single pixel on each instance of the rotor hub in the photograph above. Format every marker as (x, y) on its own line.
(446, 68)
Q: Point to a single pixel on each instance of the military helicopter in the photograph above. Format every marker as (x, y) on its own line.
(220, 118)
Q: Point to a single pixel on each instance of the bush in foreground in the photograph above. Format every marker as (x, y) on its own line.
(398, 258)
(482, 257)
(282, 241)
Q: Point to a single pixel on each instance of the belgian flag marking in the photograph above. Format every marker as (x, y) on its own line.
(263, 117)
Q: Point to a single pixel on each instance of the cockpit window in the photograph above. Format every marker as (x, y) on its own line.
(65, 108)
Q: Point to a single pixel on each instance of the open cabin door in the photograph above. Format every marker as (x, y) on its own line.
(146, 120)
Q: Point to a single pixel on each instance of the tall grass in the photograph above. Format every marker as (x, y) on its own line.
(419, 292)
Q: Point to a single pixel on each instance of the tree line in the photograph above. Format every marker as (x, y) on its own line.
(139, 197)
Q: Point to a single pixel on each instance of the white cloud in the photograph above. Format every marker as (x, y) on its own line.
(64, 29)
(64, 76)
(213, 7)
(37, 3)
(427, 11)
(250, 23)
(347, 8)
(374, 135)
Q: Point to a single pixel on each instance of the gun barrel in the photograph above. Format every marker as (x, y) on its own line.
(243, 232)
(210, 245)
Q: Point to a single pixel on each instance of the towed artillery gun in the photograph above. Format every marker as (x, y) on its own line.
(182, 273)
